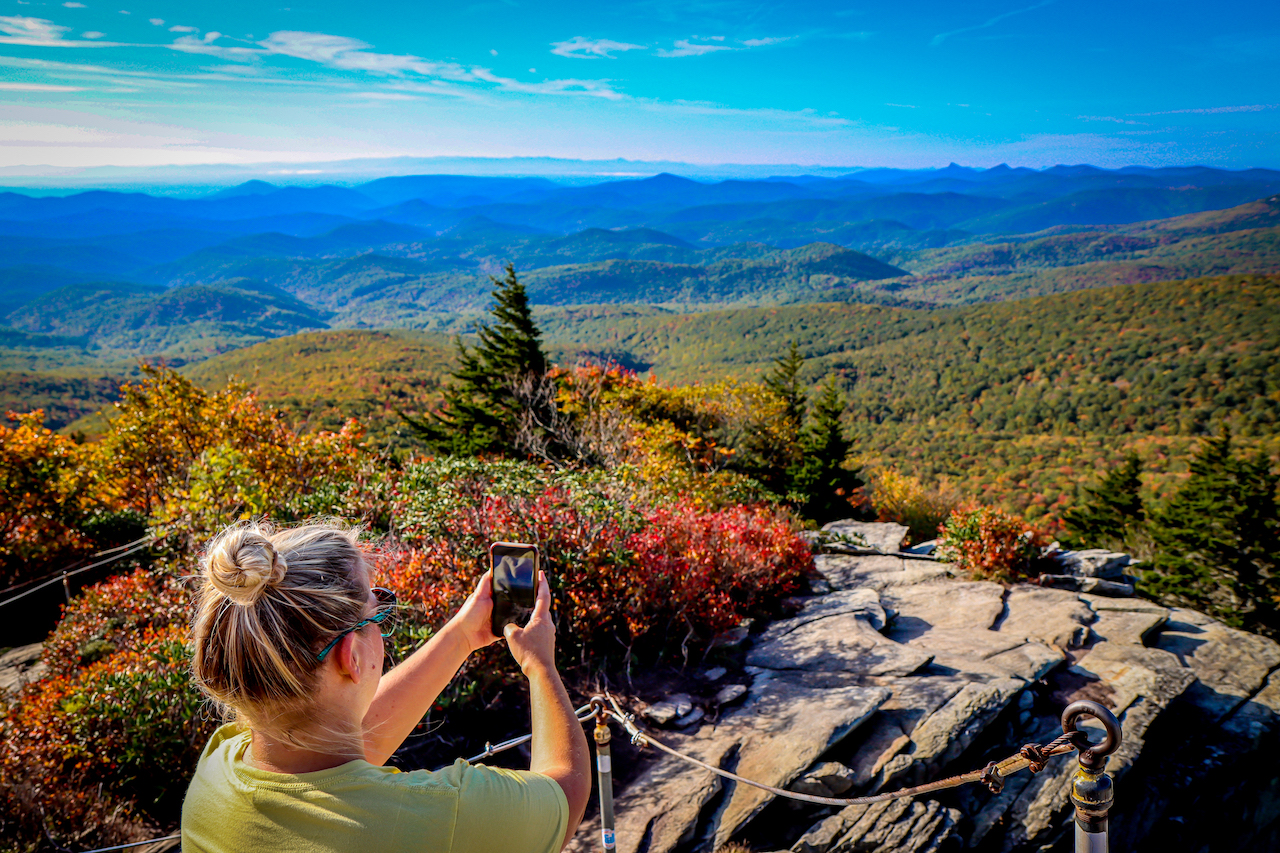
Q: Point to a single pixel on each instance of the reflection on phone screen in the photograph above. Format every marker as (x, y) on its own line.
(514, 572)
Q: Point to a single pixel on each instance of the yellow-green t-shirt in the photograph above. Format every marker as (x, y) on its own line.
(231, 807)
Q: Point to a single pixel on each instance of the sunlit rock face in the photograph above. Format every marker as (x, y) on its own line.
(904, 672)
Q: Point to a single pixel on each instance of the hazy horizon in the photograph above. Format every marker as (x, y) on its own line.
(203, 178)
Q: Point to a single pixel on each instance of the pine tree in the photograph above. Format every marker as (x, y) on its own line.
(481, 412)
(819, 481)
(772, 448)
(784, 381)
(1113, 511)
(1216, 539)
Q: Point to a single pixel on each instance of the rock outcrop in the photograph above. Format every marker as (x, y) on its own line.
(19, 666)
(904, 673)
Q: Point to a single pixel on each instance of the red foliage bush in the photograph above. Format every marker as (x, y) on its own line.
(110, 617)
(989, 543)
(624, 580)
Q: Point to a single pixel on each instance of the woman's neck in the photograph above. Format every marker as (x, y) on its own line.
(268, 753)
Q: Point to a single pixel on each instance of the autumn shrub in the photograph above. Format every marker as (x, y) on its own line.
(989, 543)
(193, 461)
(628, 579)
(905, 500)
(49, 503)
(115, 739)
(111, 616)
(715, 445)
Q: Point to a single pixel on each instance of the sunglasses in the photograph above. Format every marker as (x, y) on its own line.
(386, 609)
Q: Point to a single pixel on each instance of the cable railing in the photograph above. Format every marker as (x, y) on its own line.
(1090, 793)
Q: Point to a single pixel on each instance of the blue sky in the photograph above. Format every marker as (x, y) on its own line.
(909, 84)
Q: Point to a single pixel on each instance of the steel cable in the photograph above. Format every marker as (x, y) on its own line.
(1031, 755)
(72, 573)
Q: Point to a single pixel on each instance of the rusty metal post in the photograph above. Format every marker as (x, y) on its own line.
(604, 773)
(66, 587)
(1091, 788)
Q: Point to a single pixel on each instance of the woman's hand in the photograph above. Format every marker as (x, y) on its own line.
(534, 645)
(472, 621)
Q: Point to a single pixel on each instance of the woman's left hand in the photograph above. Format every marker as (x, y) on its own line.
(472, 621)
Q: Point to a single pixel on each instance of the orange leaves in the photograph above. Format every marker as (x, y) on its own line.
(989, 543)
(46, 489)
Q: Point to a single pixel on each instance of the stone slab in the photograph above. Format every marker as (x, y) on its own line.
(1230, 665)
(946, 733)
(19, 666)
(885, 537)
(951, 604)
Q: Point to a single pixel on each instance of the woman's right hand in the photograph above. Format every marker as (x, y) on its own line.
(534, 645)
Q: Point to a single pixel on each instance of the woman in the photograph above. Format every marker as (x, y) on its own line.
(286, 634)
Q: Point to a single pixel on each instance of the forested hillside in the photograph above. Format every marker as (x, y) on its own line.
(1013, 401)
(322, 379)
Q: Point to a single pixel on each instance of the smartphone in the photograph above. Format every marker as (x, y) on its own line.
(514, 583)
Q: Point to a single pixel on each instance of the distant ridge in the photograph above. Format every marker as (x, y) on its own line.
(247, 188)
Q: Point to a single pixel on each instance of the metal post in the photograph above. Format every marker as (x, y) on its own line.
(1091, 789)
(604, 772)
(66, 587)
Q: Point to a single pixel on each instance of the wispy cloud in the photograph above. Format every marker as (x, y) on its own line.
(33, 29)
(764, 42)
(205, 45)
(73, 5)
(156, 22)
(685, 47)
(1111, 119)
(990, 22)
(37, 87)
(596, 88)
(809, 117)
(178, 28)
(354, 55)
(1247, 108)
(350, 54)
(92, 34)
(904, 106)
(584, 48)
(38, 32)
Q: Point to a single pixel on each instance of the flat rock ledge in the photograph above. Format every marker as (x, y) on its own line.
(904, 673)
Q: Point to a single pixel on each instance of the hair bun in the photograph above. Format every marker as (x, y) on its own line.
(242, 563)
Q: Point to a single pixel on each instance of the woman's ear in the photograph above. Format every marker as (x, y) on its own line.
(348, 658)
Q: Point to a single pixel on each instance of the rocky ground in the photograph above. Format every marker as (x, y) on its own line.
(896, 671)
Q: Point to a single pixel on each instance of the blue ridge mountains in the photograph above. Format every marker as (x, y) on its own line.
(100, 278)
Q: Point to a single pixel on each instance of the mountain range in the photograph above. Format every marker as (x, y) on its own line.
(91, 282)
(1006, 329)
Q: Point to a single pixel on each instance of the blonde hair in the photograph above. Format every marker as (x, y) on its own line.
(268, 601)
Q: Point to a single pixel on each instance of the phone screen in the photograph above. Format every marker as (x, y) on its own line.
(515, 583)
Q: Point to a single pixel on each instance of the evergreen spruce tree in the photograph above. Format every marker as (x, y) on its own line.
(771, 450)
(1113, 511)
(1216, 539)
(480, 411)
(819, 481)
(784, 381)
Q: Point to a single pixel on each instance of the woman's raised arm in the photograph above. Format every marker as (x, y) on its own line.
(407, 692)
